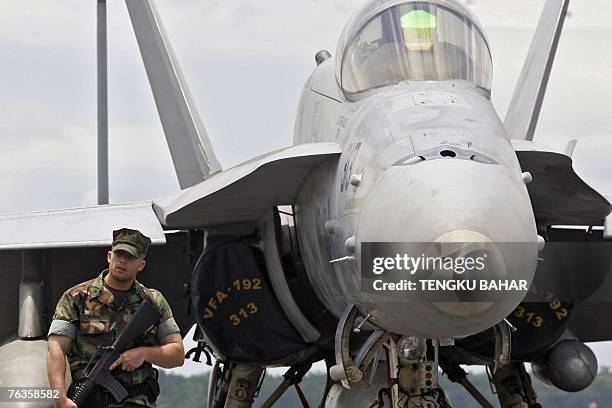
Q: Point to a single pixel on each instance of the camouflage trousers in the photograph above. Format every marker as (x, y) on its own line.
(100, 398)
(106, 400)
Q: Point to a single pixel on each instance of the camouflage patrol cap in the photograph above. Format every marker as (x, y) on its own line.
(131, 241)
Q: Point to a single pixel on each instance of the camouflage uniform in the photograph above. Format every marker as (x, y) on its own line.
(89, 314)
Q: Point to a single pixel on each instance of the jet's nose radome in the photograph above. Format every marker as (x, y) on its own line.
(462, 231)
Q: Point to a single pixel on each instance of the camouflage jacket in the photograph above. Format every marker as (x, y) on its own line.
(90, 315)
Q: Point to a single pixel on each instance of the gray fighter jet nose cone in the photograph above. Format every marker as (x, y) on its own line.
(408, 213)
(570, 366)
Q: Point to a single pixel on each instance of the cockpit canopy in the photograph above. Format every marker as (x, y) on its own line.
(391, 41)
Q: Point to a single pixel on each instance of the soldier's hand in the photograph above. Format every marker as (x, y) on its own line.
(64, 402)
(131, 359)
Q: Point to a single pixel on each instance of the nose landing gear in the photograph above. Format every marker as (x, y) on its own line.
(388, 371)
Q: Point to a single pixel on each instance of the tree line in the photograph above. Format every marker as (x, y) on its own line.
(190, 392)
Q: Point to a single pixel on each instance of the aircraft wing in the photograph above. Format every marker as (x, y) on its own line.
(64, 247)
(70, 245)
(246, 192)
(79, 227)
(558, 195)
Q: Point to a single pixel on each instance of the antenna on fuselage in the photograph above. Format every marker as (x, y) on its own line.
(102, 103)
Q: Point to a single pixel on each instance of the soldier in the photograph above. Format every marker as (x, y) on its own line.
(93, 313)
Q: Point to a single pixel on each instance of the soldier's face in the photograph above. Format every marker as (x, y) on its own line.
(122, 266)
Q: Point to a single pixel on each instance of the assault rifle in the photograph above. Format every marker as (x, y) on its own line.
(146, 316)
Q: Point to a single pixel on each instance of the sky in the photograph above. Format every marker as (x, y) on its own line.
(246, 63)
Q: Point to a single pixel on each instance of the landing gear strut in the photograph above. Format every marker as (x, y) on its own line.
(514, 388)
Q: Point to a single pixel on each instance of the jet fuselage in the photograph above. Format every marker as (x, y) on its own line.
(422, 161)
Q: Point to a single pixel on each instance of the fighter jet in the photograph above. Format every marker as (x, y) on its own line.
(398, 152)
